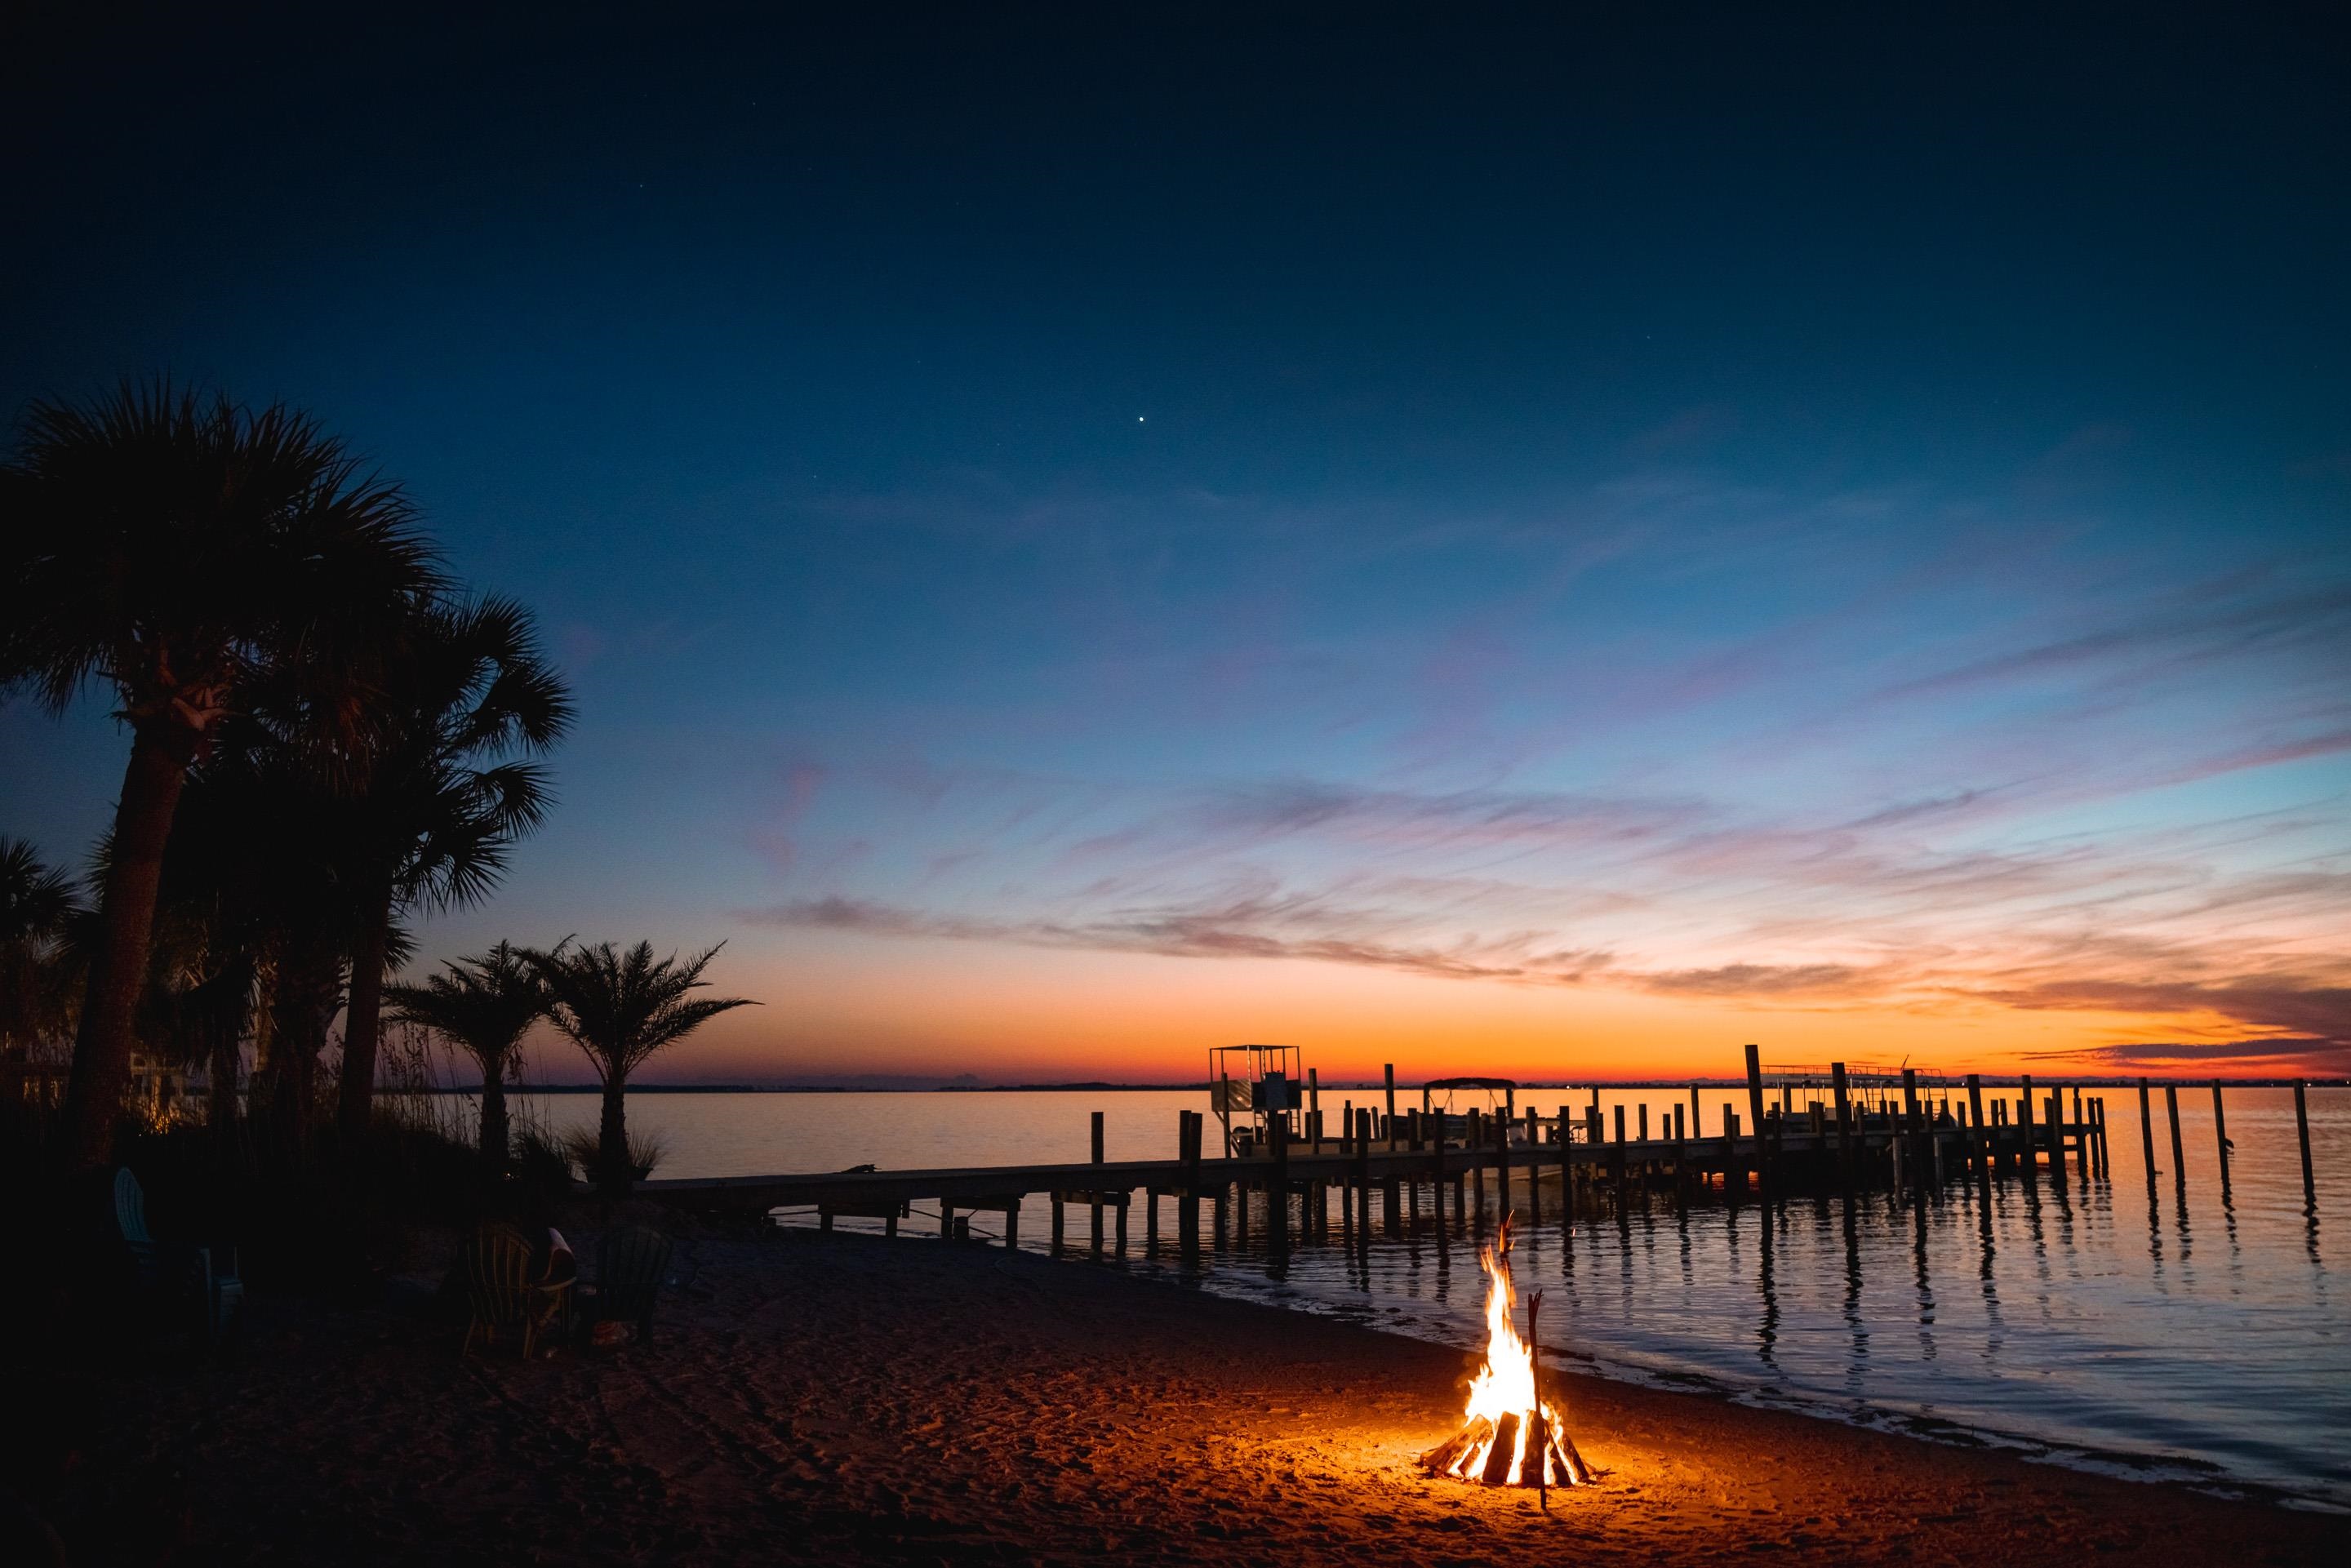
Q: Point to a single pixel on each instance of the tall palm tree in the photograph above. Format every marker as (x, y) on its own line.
(485, 1005)
(619, 1008)
(446, 794)
(37, 909)
(169, 545)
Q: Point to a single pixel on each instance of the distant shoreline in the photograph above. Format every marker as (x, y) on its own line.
(1675, 1085)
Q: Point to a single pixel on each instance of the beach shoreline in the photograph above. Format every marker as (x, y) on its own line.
(815, 1398)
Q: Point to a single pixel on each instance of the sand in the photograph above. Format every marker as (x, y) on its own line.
(829, 1399)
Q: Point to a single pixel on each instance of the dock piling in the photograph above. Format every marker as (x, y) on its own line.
(2220, 1136)
(2179, 1154)
(2301, 1130)
(1838, 1087)
(2146, 1132)
(1755, 1108)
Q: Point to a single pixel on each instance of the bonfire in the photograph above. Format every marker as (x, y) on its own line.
(1511, 1435)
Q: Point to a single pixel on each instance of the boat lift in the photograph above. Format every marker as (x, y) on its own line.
(1255, 1083)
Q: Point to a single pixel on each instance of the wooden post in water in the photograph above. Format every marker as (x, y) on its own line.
(1755, 1106)
(1187, 1212)
(2220, 1136)
(1838, 1087)
(1734, 1169)
(1056, 1197)
(1501, 1170)
(2024, 1115)
(1911, 1125)
(2146, 1132)
(2178, 1155)
(1093, 1193)
(1278, 1189)
(1437, 1174)
(2302, 1131)
(1534, 1167)
(2081, 1136)
(1363, 1179)
(1388, 1071)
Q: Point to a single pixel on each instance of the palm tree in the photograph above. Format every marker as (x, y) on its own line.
(444, 795)
(485, 1005)
(37, 910)
(168, 546)
(619, 1008)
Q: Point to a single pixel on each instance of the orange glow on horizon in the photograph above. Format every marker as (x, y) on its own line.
(936, 1009)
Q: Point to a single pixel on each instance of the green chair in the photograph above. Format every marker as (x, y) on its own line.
(505, 1296)
(171, 1273)
(631, 1263)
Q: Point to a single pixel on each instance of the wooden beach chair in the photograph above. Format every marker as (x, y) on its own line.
(172, 1274)
(503, 1291)
(631, 1263)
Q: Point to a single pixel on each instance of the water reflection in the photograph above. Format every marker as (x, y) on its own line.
(1801, 1303)
(1857, 1326)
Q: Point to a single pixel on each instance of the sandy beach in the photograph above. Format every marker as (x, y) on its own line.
(840, 1398)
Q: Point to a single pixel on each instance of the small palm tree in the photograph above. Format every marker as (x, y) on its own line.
(37, 910)
(619, 1008)
(168, 546)
(485, 1005)
(446, 792)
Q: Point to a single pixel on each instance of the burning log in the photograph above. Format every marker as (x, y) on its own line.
(1510, 1434)
(1504, 1453)
(1450, 1452)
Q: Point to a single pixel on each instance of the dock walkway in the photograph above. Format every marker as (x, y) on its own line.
(1404, 1159)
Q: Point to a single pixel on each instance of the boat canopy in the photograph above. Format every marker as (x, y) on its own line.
(1471, 1083)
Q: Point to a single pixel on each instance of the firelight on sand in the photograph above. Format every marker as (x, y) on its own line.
(1509, 1434)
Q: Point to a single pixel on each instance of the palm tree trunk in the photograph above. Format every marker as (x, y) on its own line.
(160, 755)
(613, 1141)
(226, 1024)
(309, 990)
(362, 1023)
(494, 1117)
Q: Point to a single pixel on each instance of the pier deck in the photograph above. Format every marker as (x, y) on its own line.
(1799, 1153)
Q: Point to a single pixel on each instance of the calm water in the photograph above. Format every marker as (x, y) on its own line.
(2202, 1340)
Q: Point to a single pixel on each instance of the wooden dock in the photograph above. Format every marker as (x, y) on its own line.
(1411, 1165)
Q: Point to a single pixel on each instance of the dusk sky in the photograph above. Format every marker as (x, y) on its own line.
(1546, 552)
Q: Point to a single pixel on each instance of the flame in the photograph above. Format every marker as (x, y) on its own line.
(1505, 1386)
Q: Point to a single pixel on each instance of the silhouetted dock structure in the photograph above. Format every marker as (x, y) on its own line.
(1804, 1131)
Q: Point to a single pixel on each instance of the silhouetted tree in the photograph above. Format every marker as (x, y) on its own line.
(619, 1008)
(38, 910)
(170, 545)
(484, 1005)
(444, 794)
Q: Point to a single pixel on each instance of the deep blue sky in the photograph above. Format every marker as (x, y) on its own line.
(1081, 538)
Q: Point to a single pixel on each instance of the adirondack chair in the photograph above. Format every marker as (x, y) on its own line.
(170, 1272)
(505, 1295)
(631, 1263)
